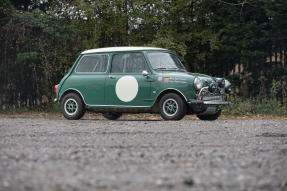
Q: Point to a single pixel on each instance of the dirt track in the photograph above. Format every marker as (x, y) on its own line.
(146, 154)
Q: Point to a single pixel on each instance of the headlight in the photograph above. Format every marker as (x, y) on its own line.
(221, 82)
(197, 83)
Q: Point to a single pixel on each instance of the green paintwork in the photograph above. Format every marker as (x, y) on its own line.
(98, 90)
(144, 91)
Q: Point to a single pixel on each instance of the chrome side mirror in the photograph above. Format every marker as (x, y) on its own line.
(145, 73)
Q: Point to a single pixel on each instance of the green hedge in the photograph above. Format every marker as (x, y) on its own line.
(253, 106)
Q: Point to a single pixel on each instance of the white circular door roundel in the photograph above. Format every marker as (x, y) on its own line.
(127, 88)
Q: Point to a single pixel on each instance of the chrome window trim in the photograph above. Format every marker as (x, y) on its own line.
(92, 72)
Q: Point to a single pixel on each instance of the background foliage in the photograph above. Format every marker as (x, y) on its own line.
(40, 40)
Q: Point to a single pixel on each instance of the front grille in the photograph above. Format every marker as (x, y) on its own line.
(212, 98)
(206, 95)
(205, 92)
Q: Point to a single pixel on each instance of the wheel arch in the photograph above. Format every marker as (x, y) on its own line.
(164, 92)
(75, 91)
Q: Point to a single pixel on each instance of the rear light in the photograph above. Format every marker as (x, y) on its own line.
(55, 89)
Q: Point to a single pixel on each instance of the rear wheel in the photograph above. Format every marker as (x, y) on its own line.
(172, 107)
(210, 117)
(72, 106)
(112, 115)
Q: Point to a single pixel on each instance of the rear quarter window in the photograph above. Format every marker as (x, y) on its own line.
(93, 63)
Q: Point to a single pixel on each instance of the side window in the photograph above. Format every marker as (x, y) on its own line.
(128, 63)
(93, 63)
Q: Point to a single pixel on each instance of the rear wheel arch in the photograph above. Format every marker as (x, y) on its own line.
(75, 92)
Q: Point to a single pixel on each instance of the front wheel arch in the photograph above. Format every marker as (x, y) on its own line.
(166, 91)
(155, 106)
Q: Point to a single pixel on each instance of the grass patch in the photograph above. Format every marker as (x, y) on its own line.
(50, 108)
(252, 106)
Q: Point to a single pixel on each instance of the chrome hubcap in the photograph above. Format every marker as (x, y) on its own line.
(170, 107)
(71, 106)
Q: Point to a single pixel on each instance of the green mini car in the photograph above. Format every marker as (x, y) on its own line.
(120, 80)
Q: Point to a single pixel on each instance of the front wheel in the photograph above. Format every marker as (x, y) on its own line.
(112, 115)
(172, 107)
(72, 107)
(209, 117)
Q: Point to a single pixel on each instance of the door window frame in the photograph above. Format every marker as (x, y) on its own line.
(125, 73)
(107, 68)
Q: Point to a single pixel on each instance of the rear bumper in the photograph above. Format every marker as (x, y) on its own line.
(199, 106)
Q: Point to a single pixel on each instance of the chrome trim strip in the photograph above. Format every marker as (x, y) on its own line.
(119, 106)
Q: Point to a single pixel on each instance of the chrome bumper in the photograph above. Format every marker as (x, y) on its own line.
(217, 102)
(199, 106)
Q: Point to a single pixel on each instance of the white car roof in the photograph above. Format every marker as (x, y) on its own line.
(121, 48)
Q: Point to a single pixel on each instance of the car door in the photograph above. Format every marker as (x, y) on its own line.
(90, 76)
(125, 84)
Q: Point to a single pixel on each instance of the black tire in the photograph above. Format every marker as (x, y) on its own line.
(112, 115)
(209, 117)
(172, 107)
(72, 107)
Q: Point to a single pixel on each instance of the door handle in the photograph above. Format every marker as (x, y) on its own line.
(112, 77)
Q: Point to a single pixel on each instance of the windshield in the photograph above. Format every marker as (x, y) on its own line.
(164, 61)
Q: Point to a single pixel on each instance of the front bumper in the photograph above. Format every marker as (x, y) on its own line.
(217, 102)
(199, 106)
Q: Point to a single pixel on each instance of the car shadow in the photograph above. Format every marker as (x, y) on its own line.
(125, 119)
(138, 120)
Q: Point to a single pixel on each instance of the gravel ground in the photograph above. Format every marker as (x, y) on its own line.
(144, 154)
